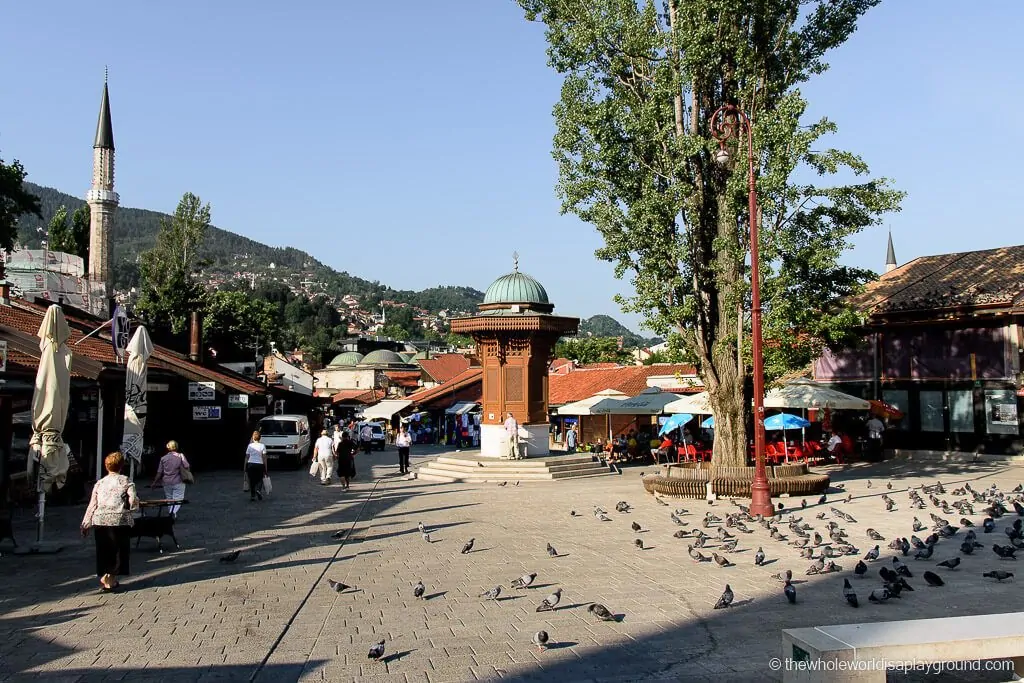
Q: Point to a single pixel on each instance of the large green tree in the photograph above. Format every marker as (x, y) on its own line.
(170, 290)
(636, 159)
(15, 201)
(588, 350)
(239, 325)
(70, 236)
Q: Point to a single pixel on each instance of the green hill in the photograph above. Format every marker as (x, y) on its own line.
(607, 326)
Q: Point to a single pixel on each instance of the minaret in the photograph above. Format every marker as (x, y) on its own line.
(102, 201)
(890, 256)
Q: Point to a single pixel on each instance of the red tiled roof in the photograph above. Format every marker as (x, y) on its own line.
(445, 366)
(599, 366)
(364, 396)
(407, 379)
(630, 379)
(559, 363)
(461, 381)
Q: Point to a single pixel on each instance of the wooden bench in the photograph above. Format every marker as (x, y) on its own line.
(860, 652)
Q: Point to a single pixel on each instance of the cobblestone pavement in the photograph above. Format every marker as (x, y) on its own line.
(270, 616)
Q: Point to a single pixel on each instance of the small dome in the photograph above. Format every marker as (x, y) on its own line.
(516, 288)
(347, 359)
(406, 356)
(382, 357)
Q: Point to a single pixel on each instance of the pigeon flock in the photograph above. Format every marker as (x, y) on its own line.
(952, 542)
(540, 639)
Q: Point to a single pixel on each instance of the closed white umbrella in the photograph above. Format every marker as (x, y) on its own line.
(48, 454)
(140, 348)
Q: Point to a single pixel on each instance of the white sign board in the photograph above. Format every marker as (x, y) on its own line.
(202, 391)
(157, 386)
(3, 356)
(205, 412)
(238, 400)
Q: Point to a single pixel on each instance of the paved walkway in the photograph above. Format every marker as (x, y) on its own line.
(270, 616)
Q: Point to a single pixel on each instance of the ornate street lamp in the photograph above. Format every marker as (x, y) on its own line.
(730, 122)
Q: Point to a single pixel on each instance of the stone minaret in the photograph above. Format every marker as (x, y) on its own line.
(890, 257)
(102, 201)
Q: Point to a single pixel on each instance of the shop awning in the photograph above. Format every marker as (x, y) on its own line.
(385, 409)
(460, 408)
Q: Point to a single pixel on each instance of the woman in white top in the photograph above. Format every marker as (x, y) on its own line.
(403, 441)
(110, 514)
(255, 467)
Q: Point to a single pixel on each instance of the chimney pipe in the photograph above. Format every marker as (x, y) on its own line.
(195, 351)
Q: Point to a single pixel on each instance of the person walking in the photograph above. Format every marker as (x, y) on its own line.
(876, 432)
(346, 456)
(255, 466)
(571, 439)
(170, 473)
(323, 453)
(404, 443)
(335, 442)
(512, 432)
(366, 437)
(109, 514)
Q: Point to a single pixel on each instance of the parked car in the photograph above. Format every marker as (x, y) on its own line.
(378, 439)
(287, 438)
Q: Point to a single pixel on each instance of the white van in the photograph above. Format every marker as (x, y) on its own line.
(286, 437)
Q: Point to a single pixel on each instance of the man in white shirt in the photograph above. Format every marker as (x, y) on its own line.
(512, 432)
(323, 451)
(876, 428)
(366, 437)
(834, 442)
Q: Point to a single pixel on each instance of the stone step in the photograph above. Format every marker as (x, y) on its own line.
(484, 463)
(509, 468)
(448, 472)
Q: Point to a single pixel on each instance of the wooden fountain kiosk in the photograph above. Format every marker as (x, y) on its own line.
(515, 333)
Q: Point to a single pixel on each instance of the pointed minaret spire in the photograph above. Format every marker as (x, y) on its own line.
(890, 256)
(104, 129)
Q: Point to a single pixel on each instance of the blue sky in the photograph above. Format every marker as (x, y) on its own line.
(410, 142)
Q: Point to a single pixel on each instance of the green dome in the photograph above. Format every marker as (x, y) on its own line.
(516, 288)
(348, 358)
(382, 357)
(405, 356)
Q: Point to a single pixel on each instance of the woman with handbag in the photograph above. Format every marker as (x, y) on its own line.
(173, 473)
(255, 467)
(110, 515)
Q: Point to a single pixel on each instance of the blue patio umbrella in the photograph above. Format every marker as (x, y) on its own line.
(708, 423)
(675, 422)
(784, 421)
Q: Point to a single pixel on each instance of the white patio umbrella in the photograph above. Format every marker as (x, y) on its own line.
(808, 394)
(140, 348)
(651, 401)
(695, 404)
(48, 453)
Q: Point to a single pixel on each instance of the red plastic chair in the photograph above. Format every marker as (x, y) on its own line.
(771, 454)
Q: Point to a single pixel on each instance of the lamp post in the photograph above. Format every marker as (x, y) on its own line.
(729, 121)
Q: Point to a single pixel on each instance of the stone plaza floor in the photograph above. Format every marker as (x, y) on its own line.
(270, 616)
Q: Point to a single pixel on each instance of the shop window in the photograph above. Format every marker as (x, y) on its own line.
(961, 410)
(1001, 411)
(899, 398)
(931, 412)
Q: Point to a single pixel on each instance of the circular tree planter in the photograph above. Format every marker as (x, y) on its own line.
(689, 480)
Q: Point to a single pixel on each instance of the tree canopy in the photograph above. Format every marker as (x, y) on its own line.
(70, 237)
(15, 201)
(642, 80)
(588, 350)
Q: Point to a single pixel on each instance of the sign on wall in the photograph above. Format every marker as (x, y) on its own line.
(205, 412)
(202, 391)
(258, 410)
(238, 401)
(157, 386)
(3, 356)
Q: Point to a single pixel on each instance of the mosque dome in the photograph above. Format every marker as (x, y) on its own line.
(349, 358)
(382, 357)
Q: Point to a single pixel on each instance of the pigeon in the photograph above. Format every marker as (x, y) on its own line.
(890, 505)
(870, 484)
(524, 581)
(338, 586)
(681, 534)
(729, 546)
(551, 551)
(860, 569)
(504, 483)
(790, 592)
(549, 603)
(933, 579)
(697, 556)
(1005, 552)
(491, 594)
(426, 537)
(925, 553)
(721, 561)
(849, 594)
(880, 595)
(339, 534)
(422, 528)
(888, 485)
(784, 576)
(601, 612)
(901, 568)
(822, 500)
(639, 543)
(888, 575)
(988, 525)
(759, 557)
(468, 547)
(966, 522)
(635, 527)
(230, 557)
(875, 536)
(676, 519)
(622, 506)
(418, 589)
(998, 575)
(872, 554)
(806, 553)
(572, 513)
(726, 599)
(918, 526)
(377, 651)
(601, 517)
(815, 568)
(540, 639)
(951, 563)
